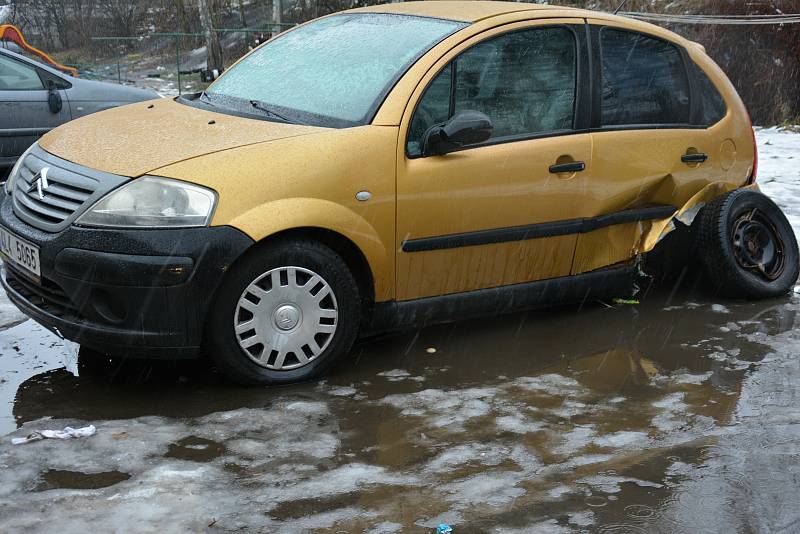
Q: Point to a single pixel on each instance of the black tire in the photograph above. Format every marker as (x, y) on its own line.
(726, 257)
(221, 341)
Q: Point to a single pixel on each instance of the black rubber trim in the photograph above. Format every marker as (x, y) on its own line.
(591, 286)
(534, 231)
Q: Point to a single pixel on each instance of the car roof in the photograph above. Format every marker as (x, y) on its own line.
(477, 10)
(30, 61)
(471, 11)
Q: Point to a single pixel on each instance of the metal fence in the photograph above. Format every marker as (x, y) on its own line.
(165, 61)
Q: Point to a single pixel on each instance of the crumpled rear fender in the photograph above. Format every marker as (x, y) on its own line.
(686, 214)
(622, 242)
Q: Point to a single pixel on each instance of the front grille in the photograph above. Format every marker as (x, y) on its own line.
(46, 295)
(65, 193)
(70, 190)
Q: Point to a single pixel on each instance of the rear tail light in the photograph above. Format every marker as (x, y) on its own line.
(754, 174)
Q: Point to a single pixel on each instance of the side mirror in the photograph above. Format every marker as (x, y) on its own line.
(463, 129)
(54, 101)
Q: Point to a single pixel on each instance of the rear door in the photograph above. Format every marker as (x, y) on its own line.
(24, 110)
(647, 154)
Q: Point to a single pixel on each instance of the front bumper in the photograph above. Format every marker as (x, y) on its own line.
(134, 293)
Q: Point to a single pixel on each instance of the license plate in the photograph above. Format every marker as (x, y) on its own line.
(19, 252)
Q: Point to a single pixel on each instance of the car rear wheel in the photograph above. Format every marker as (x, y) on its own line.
(285, 314)
(747, 246)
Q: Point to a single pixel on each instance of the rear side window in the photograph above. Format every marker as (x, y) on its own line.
(524, 81)
(644, 81)
(713, 105)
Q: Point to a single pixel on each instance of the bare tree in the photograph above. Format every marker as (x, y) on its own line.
(242, 19)
(213, 48)
(122, 16)
(277, 14)
(84, 17)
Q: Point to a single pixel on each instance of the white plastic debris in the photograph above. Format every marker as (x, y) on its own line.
(67, 433)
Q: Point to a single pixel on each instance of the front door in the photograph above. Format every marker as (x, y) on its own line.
(25, 113)
(491, 215)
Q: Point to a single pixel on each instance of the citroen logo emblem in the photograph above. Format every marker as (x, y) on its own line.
(286, 317)
(39, 183)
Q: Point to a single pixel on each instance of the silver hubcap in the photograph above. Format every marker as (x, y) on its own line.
(286, 318)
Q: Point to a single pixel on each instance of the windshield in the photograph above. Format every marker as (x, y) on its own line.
(334, 71)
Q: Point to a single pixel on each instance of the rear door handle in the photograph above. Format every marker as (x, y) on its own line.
(694, 158)
(573, 166)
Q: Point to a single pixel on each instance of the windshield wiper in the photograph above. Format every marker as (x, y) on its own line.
(206, 99)
(262, 107)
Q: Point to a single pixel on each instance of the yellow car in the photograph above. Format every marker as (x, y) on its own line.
(389, 166)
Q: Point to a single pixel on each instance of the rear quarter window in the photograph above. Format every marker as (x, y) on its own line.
(713, 105)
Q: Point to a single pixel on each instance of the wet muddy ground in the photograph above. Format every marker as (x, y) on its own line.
(676, 415)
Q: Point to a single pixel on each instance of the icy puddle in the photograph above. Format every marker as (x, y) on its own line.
(677, 415)
(638, 418)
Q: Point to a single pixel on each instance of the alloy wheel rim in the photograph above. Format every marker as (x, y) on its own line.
(286, 318)
(757, 245)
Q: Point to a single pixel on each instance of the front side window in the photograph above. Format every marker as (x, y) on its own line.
(524, 81)
(16, 76)
(643, 80)
(333, 71)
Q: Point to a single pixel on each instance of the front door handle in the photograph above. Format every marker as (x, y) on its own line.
(573, 166)
(694, 158)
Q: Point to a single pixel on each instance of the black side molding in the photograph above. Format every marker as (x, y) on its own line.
(533, 231)
(591, 286)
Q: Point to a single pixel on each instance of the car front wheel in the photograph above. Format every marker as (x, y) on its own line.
(284, 314)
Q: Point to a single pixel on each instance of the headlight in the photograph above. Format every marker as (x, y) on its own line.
(15, 169)
(153, 202)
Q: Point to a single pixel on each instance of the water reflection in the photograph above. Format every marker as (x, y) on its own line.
(546, 419)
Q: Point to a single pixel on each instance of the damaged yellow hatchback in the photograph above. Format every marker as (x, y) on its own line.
(388, 166)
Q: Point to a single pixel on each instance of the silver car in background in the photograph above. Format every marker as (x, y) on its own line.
(35, 98)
